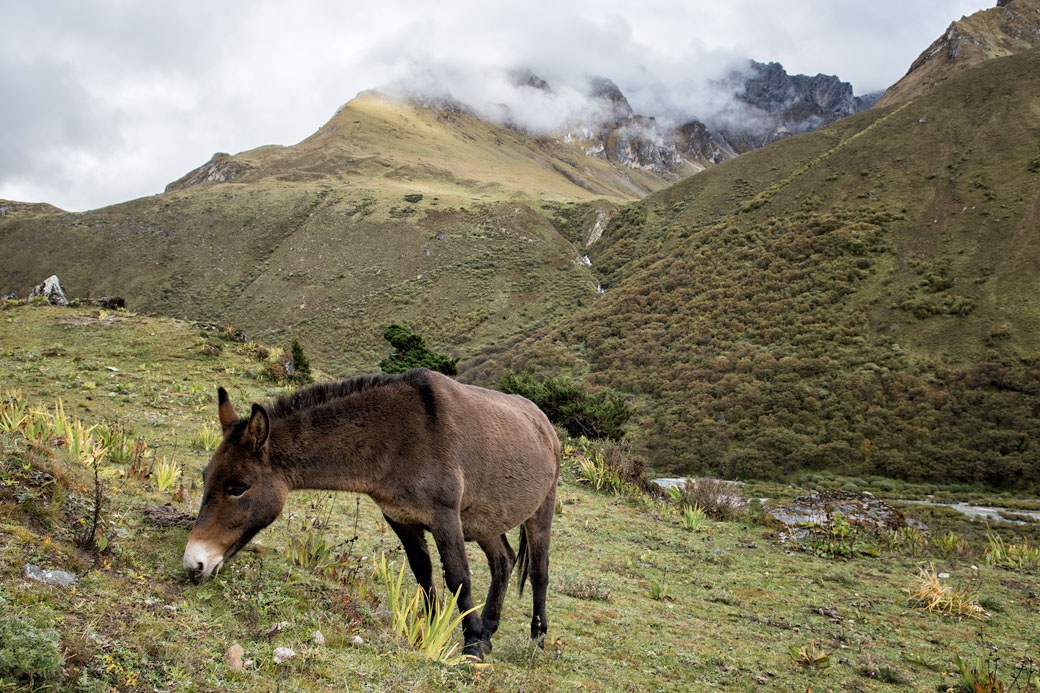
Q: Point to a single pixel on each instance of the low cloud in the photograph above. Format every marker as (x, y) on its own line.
(108, 101)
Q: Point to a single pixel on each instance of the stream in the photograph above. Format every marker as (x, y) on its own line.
(981, 511)
(985, 512)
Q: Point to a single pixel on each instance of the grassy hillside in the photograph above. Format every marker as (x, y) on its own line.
(328, 267)
(992, 33)
(862, 298)
(318, 241)
(438, 148)
(637, 600)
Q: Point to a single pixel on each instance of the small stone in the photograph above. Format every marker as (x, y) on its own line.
(944, 575)
(318, 638)
(233, 658)
(358, 640)
(59, 578)
(283, 654)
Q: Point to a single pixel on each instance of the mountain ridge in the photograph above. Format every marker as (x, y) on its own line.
(1010, 27)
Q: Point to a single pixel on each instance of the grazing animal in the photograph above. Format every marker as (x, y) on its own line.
(458, 461)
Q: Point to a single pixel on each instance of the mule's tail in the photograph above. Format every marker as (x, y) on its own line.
(523, 557)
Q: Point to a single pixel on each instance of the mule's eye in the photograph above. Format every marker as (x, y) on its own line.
(236, 490)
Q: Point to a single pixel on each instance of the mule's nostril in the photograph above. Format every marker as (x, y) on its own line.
(199, 567)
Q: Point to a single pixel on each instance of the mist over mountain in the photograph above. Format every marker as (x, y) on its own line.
(672, 129)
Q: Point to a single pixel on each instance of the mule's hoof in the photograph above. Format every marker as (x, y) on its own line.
(475, 651)
(540, 641)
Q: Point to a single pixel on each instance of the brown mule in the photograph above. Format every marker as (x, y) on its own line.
(458, 461)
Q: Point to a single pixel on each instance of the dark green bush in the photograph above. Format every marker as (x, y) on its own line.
(410, 351)
(594, 416)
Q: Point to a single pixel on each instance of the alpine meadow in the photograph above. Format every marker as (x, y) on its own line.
(789, 347)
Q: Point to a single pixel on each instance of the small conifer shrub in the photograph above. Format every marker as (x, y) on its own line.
(301, 364)
(410, 351)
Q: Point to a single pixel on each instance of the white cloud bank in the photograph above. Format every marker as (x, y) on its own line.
(110, 100)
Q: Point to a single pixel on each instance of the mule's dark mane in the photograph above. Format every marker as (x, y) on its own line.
(322, 393)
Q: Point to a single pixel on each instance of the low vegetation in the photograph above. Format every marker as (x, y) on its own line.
(637, 599)
(602, 415)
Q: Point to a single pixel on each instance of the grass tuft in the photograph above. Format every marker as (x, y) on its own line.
(934, 595)
(428, 630)
(1017, 556)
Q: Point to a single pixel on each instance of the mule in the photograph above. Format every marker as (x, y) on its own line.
(458, 461)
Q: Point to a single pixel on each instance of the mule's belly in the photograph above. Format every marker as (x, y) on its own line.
(508, 505)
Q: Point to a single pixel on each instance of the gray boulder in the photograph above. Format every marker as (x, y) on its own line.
(58, 578)
(50, 289)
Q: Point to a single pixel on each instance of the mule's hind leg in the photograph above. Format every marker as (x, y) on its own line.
(538, 529)
(500, 560)
(447, 532)
(413, 539)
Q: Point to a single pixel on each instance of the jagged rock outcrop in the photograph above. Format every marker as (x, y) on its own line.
(526, 78)
(220, 169)
(770, 105)
(777, 105)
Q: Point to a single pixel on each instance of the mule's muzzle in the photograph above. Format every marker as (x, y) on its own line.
(201, 561)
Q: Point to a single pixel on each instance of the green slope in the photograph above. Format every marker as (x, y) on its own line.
(864, 298)
(636, 601)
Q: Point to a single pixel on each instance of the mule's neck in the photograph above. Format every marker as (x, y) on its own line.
(316, 459)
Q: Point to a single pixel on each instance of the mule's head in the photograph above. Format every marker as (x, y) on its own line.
(242, 492)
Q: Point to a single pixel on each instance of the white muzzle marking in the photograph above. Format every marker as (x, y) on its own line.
(201, 560)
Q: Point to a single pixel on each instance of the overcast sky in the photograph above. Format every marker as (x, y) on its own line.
(108, 100)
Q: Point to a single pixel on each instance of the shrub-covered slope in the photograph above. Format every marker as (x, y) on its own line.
(861, 298)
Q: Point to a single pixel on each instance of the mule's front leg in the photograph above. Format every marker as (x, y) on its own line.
(447, 532)
(413, 539)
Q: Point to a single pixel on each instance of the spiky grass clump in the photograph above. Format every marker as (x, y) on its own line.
(428, 630)
(692, 517)
(205, 438)
(934, 595)
(1016, 556)
(166, 473)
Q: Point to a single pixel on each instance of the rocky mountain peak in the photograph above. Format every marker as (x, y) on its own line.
(798, 103)
(523, 77)
(605, 90)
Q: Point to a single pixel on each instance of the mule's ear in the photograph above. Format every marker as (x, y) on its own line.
(226, 413)
(258, 429)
